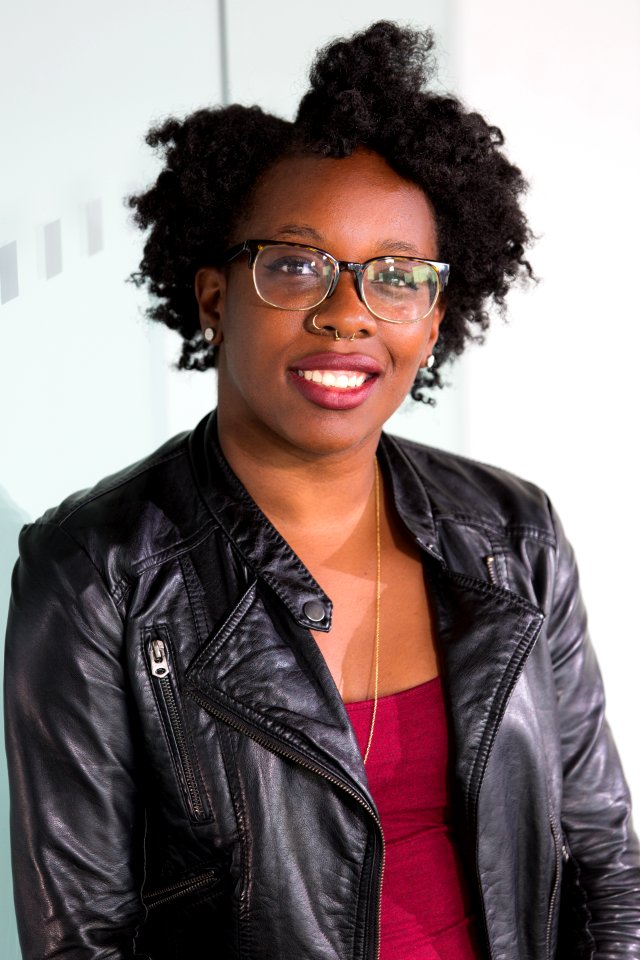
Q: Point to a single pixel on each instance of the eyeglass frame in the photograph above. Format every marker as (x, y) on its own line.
(254, 247)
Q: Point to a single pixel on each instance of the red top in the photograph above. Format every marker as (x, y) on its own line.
(425, 911)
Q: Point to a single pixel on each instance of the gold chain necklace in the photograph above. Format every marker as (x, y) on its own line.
(377, 633)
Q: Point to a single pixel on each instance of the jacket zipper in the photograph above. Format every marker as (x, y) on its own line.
(161, 670)
(561, 856)
(490, 562)
(177, 890)
(277, 748)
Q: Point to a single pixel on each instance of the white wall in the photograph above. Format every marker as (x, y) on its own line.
(81, 371)
(554, 395)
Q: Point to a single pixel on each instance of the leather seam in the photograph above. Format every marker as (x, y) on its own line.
(176, 551)
(222, 635)
(148, 466)
(195, 596)
(243, 927)
(507, 530)
(489, 589)
(496, 709)
(79, 546)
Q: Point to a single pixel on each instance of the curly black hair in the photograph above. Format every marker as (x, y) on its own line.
(369, 90)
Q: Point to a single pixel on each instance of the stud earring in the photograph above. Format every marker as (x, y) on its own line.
(209, 333)
(430, 362)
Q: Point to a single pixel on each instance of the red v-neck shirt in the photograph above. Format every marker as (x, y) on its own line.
(425, 910)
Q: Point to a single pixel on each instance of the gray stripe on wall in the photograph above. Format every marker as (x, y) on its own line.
(9, 288)
(224, 52)
(95, 233)
(52, 249)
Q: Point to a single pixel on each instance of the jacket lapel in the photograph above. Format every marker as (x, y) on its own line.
(265, 673)
(485, 635)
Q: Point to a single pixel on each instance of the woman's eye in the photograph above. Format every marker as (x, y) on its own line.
(395, 278)
(295, 266)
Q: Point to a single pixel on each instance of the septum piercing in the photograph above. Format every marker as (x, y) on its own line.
(335, 332)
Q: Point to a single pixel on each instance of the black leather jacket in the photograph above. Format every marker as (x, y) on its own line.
(185, 781)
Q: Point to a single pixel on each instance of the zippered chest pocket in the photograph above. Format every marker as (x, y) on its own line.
(166, 689)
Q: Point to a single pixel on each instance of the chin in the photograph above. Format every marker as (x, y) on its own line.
(333, 434)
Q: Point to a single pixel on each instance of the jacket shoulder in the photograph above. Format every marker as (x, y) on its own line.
(144, 511)
(466, 490)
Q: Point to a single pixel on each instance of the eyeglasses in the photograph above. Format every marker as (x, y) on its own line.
(292, 276)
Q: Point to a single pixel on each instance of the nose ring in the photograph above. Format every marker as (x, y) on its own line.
(335, 331)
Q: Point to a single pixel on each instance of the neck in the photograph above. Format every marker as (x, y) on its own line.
(303, 493)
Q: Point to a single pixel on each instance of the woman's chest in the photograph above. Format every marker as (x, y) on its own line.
(400, 626)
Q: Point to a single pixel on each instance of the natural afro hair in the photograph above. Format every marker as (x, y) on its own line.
(371, 91)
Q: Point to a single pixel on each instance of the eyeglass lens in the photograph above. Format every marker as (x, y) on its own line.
(293, 278)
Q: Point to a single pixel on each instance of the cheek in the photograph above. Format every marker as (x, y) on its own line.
(256, 341)
(240, 303)
(410, 348)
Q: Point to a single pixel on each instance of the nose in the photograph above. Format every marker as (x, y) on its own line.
(343, 314)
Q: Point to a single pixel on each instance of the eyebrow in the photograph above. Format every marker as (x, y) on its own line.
(390, 244)
(297, 229)
(394, 243)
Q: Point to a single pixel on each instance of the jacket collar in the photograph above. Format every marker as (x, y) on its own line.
(264, 551)
(262, 548)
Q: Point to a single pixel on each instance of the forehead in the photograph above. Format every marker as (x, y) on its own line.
(359, 200)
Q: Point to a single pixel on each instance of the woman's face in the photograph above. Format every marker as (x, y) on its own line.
(354, 208)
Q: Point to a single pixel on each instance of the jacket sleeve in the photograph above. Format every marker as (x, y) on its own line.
(596, 806)
(76, 822)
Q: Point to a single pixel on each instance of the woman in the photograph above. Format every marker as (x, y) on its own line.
(290, 687)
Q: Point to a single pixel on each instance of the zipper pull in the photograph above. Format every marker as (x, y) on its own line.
(565, 853)
(491, 569)
(159, 662)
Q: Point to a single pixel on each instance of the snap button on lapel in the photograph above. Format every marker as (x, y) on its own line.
(314, 611)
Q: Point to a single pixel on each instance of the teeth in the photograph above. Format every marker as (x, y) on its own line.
(343, 380)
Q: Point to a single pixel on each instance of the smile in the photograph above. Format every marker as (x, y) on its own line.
(342, 380)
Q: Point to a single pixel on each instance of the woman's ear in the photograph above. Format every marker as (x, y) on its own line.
(210, 287)
(436, 320)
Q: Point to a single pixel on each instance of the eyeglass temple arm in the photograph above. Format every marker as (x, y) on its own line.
(237, 250)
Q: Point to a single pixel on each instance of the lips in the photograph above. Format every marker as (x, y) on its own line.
(335, 381)
(338, 361)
